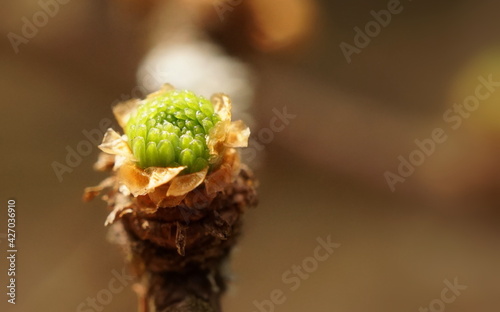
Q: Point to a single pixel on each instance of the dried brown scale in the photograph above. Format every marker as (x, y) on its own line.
(203, 238)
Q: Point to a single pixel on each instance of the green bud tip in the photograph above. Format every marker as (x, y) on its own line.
(171, 130)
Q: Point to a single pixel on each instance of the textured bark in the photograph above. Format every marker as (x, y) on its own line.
(179, 252)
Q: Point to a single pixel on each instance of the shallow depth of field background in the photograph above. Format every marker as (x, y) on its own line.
(322, 175)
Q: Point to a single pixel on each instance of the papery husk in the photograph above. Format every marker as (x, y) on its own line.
(141, 182)
(157, 187)
(115, 144)
(225, 133)
(122, 111)
(104, 162)
(238, 134)
(186, 183)
(92, 191)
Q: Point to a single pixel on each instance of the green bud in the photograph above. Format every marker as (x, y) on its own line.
(171, 129)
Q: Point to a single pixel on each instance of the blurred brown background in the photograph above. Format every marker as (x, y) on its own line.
(323, 175)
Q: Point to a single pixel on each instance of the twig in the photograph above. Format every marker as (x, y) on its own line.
(177, 230)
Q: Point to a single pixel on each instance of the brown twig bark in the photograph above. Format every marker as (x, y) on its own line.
(178, 253)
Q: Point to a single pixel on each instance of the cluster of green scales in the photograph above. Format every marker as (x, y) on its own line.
(171, 130)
